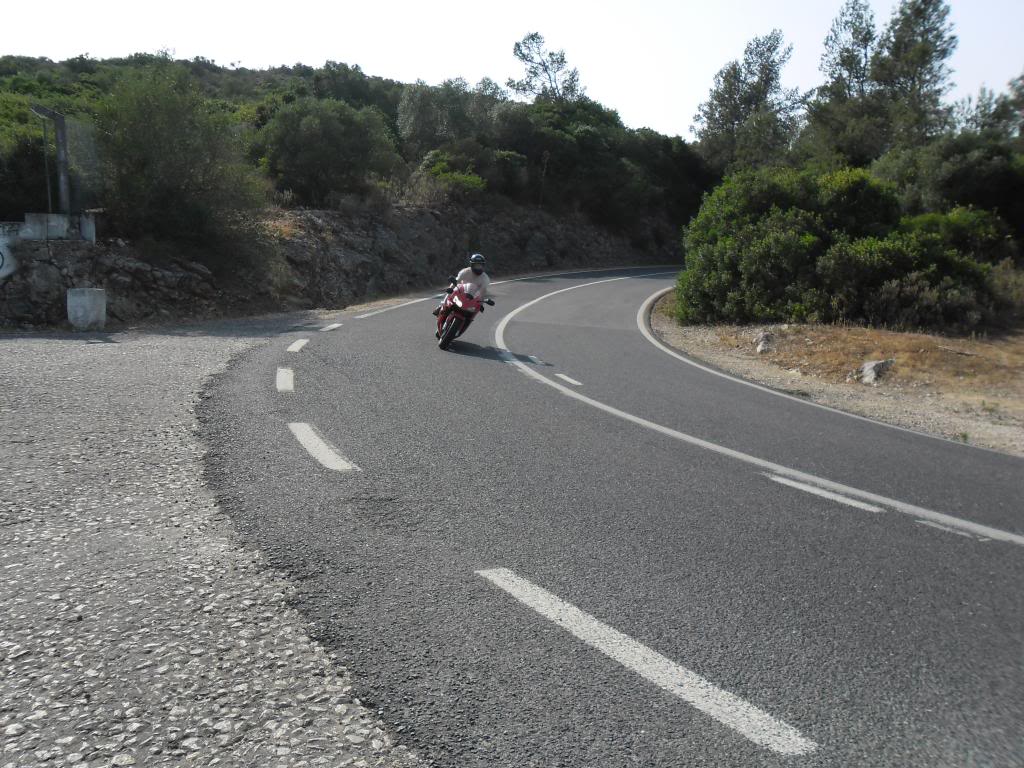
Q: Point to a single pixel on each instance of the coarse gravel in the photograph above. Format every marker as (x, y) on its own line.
(136, 629)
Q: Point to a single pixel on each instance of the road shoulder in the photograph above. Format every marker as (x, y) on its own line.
(964, 415)
(137, 629)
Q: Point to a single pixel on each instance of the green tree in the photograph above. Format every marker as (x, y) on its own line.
(910, 69)
(316, 147)
(173, 162)
(749, 119)
(547, 73)
(846, 62)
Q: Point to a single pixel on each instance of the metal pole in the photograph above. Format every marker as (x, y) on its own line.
(46, 167)
(63, 182)
(63, 177)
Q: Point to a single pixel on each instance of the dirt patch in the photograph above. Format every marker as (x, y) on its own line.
(966, 389)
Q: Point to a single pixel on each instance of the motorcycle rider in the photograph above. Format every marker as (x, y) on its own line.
(476, 280)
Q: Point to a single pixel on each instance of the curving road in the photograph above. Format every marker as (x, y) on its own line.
(560, 545)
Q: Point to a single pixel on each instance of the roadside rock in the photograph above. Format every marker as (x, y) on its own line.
(873, 370)
(763, 342)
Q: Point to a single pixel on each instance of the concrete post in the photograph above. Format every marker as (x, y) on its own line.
(87, 308)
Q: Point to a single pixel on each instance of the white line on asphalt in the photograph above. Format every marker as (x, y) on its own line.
(397, 306)
(320, 449)
(500, 282)
(331, 327)
(945, 528)
(824, 494)
(901, 506)
(727, 708)
(563, 377)
(642, 323)
(295, 346)
(285, 380)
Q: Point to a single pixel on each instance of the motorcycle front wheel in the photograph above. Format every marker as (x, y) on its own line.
(448, 332)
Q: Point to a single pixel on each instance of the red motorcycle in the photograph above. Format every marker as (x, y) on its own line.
(457, 312)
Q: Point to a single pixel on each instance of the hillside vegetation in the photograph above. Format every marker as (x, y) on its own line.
(868, 200)
(180, 149)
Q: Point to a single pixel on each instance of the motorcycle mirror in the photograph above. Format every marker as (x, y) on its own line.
(490, 302)
(452, 279)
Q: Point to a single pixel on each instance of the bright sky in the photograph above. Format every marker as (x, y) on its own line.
(652, 60)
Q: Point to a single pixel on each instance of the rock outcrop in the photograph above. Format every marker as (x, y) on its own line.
(319, 259)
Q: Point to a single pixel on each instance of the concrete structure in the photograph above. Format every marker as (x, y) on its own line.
(8, 237)
(42, 226)
(87, 308)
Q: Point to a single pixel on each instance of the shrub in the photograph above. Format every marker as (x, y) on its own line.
(976, 233)
(774, 245)
(436, 171)
(173, 163)
(318, 147)
(905, 280)
(855, 202)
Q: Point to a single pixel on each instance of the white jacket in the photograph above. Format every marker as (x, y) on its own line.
(478, 285)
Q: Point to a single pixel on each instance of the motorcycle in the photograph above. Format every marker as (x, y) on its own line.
(457, 312)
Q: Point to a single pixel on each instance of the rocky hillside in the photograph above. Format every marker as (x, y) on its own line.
(318, 259)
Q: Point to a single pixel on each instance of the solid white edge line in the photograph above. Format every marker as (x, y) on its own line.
(945, 528)
(824, 494)
(285, 380)
(396, 306)
(643, 323)
(563, 377)
(331, 327)
(727, 708)
(511, 280)
(320, 449)
(295, 346)
(901, 506)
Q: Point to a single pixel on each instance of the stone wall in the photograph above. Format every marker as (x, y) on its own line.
(320, 259)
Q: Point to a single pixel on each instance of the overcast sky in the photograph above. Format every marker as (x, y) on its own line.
(652, 60)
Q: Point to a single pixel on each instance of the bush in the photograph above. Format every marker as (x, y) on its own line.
(855, 202)
(174, 167)
(905, 280)
(316, 148)
(976, 233)
(775, 245)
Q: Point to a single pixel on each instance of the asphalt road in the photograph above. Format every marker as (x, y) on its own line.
(724, 618)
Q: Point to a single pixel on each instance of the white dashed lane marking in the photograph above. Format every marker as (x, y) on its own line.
(320, 449)
(285, 380)
(563, 377)
(727, 708)
(295, 346)
(331, 327)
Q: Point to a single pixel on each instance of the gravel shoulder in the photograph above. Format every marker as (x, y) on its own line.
(137, 630)
(966, 390)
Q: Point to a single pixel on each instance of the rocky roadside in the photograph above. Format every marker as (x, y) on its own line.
(136, 631)
(955, 416)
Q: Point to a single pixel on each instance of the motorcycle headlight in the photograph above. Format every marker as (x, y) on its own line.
(458, 301)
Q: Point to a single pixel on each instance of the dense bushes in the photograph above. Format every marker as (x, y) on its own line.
(323, 136)
(778, 244)
(318, 147)
(173, 167)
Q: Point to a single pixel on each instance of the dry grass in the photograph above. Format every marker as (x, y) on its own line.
(954, 386)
